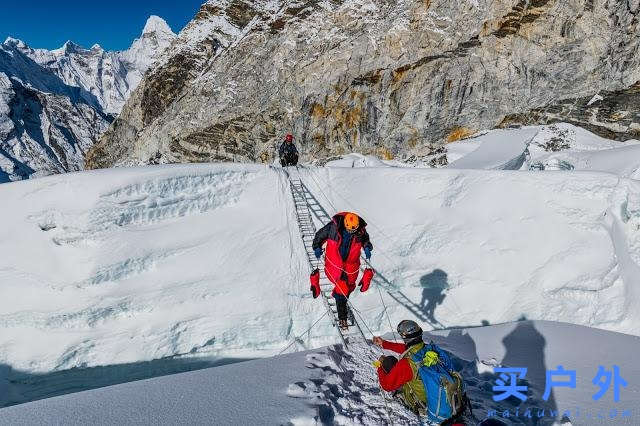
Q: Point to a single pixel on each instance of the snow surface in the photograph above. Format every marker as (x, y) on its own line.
(560, 146)
(582, 150)
(498, 149)
(122, 274)
(127, 266)
(334, 386)
(356, 160)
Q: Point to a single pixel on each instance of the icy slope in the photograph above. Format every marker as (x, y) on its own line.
(567, 147)
(498, 149)
(131, 265)
(331, 386)
(560, 146)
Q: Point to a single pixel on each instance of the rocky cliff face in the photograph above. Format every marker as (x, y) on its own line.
(55, 104)
(613, 114)
(393, 78)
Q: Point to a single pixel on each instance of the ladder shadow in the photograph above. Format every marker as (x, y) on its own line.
(403, 300)
(323, 216)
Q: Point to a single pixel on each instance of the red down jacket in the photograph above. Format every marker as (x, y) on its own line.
(400, 374)
(343, 273)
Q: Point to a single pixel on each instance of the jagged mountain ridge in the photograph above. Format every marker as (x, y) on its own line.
(54, 104)
(389, 78)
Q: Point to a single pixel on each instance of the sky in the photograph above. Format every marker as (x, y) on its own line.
(113, 24)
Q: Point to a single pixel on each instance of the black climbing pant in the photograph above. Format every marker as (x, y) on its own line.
(341, 306)
(289, 160)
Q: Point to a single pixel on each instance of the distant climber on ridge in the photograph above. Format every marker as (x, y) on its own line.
(345, 236)
(424, 375)
(288, 152)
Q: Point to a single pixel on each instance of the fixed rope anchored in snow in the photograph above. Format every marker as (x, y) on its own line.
(302, 334)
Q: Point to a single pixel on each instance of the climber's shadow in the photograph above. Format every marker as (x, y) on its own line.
(524, 347)
(434, 285)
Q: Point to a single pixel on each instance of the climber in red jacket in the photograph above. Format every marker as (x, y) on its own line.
(397, 374)
(402, 374)
(345, 236)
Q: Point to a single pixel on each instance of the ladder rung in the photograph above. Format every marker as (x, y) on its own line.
(305, 205)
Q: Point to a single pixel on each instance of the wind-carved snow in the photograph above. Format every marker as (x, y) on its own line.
(143, 204)
(129, 267)
(174, 197)
(499, 149)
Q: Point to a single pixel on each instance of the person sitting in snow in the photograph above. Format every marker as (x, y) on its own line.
(346, 236)
(288, 152)
(422, 367)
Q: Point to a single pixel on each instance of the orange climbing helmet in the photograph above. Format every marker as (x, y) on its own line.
(351, 222)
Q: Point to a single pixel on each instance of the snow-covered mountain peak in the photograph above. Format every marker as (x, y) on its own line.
(70, 47)
(73, 91)
(146, 49)
(156, 24)
(10, 41)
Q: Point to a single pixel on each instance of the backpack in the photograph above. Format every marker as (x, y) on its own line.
(443, 387)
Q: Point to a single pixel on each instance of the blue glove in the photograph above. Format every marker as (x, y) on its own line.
(367, 253)
(318, 252)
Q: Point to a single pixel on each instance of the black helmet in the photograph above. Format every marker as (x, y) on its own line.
(409, 330)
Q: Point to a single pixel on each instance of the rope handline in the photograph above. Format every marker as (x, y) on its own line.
(356, 272)
(384, 395)
(386, 311)
(302, 334)
(369, 345)
(346, 201)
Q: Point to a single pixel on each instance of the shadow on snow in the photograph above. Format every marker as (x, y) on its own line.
(17, 387)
